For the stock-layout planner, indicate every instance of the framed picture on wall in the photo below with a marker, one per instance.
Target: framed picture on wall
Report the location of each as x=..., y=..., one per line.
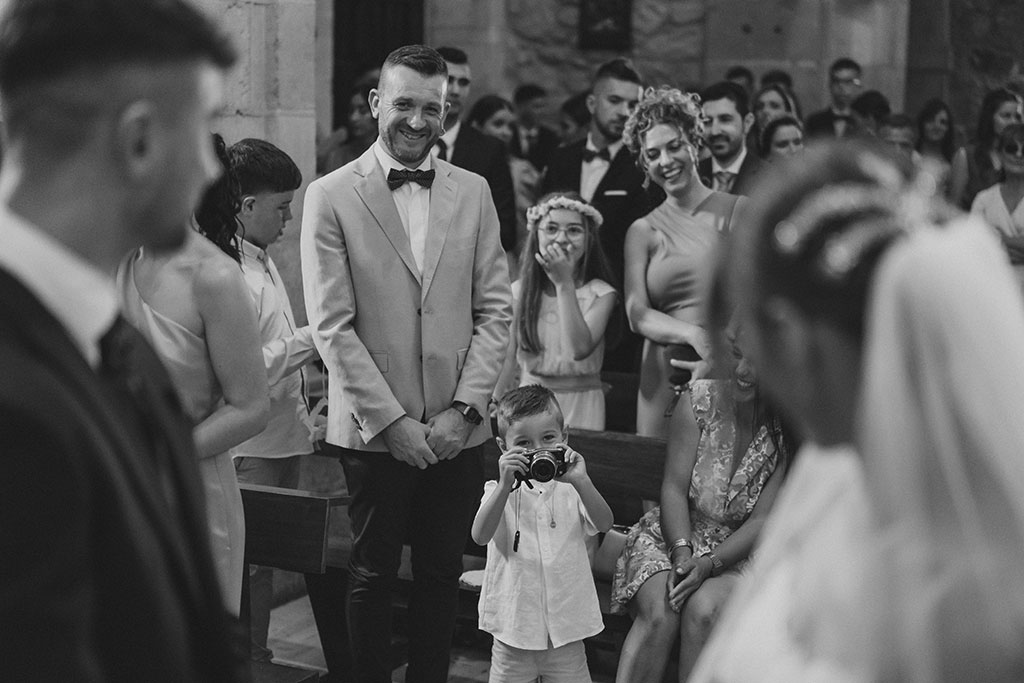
x=606, y=24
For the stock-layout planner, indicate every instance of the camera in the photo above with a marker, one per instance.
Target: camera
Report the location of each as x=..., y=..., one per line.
x=544, y=464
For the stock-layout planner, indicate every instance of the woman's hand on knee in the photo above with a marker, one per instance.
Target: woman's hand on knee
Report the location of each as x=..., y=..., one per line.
x=687, y=576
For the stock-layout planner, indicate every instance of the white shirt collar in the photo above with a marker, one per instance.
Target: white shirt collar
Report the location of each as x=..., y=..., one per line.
x=252, y=251
x=734, y=167
x=82, y=297
x=451, y=135
x=613, y=148
x=387, y=162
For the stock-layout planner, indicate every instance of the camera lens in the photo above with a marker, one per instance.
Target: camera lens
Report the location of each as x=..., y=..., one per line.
x=543, y=468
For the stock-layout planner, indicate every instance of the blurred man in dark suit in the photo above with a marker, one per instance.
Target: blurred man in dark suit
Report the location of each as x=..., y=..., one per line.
x=844, y=85
x=531, y=139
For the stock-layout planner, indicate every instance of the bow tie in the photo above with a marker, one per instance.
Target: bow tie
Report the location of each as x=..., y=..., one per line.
x=590, y=155
x=398, y=177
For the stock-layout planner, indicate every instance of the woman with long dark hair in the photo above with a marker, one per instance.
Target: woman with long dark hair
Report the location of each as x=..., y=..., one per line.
x=978, y=166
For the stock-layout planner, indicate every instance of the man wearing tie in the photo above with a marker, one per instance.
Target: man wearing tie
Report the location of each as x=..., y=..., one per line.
x=603, y=171
x=730, y=168
x=408, y=295
x=106, y=572
x=468, y=148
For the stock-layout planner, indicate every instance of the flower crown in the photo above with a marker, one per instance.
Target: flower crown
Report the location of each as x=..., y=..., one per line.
x=535, y=214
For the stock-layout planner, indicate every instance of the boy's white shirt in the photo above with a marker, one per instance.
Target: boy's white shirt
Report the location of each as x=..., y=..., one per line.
x=542, y=595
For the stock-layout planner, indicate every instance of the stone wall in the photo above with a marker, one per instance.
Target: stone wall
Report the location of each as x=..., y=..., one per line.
x=987, y=52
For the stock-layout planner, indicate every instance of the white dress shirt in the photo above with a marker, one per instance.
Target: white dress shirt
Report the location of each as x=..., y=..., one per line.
x=285, y=350
x=81, y=297
x=542, y=595
x=412, y=201
x=592, y=172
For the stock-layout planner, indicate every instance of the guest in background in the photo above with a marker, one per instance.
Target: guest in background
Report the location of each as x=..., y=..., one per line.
x=1002, y=205
x=783, y=137
x=267, y=179
x=531, y=139
x=935, y=139
x=731, y=167
x=361, y=131
x=106, y=573
x=743, y=77
x=777, y=76
x=574, y=118
x=563, y=303
x=869, y=110
x=899, y=132
x=495, y=116
x=771, y=101
x=682, y=559
x=195, y=309
x=843, y=85
x=979, y=165
x=668, y=250
x=468, y=148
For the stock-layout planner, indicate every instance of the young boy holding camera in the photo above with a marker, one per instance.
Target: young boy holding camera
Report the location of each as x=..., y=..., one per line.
x=538, y=598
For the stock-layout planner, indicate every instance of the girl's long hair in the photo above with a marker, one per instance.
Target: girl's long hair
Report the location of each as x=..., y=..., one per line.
x=217, y=214
x=593, y=265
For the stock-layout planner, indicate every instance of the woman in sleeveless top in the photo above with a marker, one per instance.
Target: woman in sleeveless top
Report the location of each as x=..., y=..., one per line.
x=668, y=250
x=194, y=308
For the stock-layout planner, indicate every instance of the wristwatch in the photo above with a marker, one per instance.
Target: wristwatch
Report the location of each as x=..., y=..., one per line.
x=471, y=414
x=716, y=564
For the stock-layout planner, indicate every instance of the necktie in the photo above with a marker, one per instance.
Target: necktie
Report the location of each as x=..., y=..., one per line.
x=442, y=150
x=399, y=177
x=724, y=180
x=590, y=154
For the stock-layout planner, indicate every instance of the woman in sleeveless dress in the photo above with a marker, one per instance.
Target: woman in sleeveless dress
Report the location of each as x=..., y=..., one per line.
x=889, y=328
x=193, y=307
x=667, y=251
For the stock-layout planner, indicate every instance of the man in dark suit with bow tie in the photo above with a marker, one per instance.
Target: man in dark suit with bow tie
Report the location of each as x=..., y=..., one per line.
x=468, y=148
x=603, y=171
x=844, y=85
x=106, y=571
x=732, y=166
x=408, y=297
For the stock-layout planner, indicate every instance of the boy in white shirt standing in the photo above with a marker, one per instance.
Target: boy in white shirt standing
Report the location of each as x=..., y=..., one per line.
x=538, y=599
x=267, y=179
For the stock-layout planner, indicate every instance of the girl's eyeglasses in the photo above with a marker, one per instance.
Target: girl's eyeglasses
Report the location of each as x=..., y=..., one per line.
x=573, y=232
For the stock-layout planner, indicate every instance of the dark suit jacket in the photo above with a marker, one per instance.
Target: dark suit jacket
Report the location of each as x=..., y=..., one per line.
x=622, y=199
x=101, y=577
x=744, y=181
x=541, y=150
x=487, y=156
x=822, y=124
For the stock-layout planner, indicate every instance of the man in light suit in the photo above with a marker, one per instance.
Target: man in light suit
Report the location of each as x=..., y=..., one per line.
x=105, y=565
x=408, y=295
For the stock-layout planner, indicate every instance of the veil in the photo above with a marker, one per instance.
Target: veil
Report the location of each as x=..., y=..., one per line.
x=942, y=434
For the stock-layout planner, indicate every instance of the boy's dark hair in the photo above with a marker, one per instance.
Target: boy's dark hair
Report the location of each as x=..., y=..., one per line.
x=620, y=69
x=42, y=40
x=527, y=92
x=532, y=399
x=453, y=55
x=262, y=167
x=872, y=104
x=739, y=72
x=843, y=64
x=898, y=121
x=727, y=90
x=426, y=61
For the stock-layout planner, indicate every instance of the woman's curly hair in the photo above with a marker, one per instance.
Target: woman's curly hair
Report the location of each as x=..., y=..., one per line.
x=669, y=106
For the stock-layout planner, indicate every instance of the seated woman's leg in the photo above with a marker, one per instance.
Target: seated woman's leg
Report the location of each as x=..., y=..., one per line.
x=650, y=639
x=698, y=617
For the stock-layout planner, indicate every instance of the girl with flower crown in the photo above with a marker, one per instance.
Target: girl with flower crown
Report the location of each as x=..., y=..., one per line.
x=563, y=302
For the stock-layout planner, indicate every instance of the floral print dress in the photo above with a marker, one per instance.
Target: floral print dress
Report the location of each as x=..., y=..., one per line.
x=719, y=504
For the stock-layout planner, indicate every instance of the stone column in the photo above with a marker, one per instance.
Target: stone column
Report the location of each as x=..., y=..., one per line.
x=271, y=94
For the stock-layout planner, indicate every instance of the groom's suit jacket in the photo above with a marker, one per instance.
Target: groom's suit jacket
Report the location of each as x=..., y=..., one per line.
x=105, y=565
x=395, y=341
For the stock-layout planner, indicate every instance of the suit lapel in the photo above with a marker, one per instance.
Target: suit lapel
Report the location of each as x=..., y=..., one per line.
x=442, y=208
x=373, y=190
x=619, y=166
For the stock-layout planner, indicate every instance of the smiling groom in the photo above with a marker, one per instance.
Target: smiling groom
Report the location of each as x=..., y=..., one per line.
x=408, y=296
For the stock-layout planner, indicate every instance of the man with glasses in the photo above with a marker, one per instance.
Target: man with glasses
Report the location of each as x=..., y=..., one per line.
x=844, y=85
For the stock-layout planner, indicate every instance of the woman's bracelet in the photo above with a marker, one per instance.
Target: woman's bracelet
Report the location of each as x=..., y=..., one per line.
x=680, y=543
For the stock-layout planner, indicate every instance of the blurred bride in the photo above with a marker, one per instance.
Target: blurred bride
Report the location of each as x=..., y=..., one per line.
x=892, y=332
